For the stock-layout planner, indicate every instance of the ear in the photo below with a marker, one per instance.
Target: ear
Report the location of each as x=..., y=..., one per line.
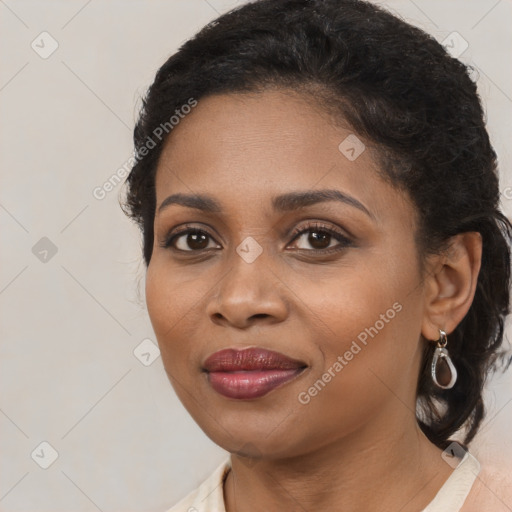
x=450, y=284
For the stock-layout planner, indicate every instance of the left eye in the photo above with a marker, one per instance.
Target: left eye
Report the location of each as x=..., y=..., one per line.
x=320, y=238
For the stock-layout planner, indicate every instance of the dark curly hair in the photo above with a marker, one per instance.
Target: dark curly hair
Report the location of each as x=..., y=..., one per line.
x=399, y=89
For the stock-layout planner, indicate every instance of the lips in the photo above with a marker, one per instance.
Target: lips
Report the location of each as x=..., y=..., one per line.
x=250, y=373
x=250, y=359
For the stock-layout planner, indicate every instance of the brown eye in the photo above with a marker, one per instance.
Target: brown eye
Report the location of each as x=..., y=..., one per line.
x=319, y=238
x=189, y=240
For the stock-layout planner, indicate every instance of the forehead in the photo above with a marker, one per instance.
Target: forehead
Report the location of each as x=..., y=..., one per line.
x=239, y=147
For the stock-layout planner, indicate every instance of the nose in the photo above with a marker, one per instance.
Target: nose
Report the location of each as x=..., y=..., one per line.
x=248, y=293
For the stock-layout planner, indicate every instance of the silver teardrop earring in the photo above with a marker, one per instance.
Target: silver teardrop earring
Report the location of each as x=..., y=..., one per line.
x=444, y=373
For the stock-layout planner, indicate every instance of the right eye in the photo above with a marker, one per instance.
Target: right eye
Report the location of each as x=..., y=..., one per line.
x=188, y=240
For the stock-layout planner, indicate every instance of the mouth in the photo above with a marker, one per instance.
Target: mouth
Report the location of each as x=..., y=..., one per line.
x=250, y=373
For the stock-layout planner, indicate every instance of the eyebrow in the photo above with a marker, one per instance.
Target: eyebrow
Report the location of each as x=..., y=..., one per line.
x=282, y=203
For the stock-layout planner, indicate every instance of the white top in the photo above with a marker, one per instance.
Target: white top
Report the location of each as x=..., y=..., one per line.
x=209, y=496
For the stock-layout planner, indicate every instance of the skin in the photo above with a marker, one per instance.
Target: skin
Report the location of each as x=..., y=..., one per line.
x=356, y=443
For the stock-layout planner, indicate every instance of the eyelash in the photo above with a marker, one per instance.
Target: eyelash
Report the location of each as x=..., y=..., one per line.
x=311, y=227
x=322, y=228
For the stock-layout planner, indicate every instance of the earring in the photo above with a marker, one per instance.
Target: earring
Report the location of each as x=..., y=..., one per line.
x=444, y=373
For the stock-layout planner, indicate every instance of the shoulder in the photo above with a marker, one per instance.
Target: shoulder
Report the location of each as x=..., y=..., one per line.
x=209, y=496
x=492, y=490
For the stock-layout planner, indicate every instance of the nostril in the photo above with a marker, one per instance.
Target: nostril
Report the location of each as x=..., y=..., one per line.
x=260, y=315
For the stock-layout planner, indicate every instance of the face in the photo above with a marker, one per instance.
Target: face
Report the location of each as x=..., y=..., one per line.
x=330, y=282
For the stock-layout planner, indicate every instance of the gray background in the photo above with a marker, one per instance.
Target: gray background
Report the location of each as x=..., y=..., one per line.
x=72, y=319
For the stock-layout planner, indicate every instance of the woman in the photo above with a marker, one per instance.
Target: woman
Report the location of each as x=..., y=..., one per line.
x=327, y=266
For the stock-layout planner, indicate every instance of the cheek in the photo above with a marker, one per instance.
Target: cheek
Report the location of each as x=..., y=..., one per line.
x=366, y=360
x=352, y=299
x=172, y=308
x=369, y=318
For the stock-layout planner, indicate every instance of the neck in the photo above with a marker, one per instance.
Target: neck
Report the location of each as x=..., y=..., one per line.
x=370, y=470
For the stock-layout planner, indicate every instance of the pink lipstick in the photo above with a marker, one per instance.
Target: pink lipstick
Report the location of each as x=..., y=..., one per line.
x=250, y=373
